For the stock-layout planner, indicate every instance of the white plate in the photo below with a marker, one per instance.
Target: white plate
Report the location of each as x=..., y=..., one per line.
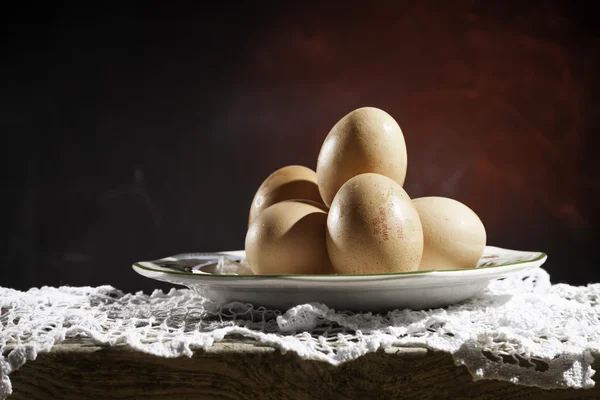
x=375, y=292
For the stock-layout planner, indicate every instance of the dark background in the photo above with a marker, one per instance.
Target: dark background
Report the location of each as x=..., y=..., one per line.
x=133, y=133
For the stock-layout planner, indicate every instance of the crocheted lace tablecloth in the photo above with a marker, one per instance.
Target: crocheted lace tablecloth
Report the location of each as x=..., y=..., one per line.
x=521, y=329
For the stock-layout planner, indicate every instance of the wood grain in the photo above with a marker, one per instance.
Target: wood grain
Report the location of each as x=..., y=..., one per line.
x=245, y=370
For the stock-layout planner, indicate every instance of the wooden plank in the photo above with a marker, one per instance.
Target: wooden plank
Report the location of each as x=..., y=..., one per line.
x=239, y=369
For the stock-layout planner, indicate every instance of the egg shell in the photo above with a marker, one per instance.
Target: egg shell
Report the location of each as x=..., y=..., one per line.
x=454, y=236
x=287, y=183
x=365, y=140
x=373, y=227
x=288, y=238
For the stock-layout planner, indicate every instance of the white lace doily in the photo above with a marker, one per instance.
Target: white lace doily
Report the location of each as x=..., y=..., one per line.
x=521, y=329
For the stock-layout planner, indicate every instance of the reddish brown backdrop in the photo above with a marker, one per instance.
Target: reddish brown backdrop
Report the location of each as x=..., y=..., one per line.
x=136, y=133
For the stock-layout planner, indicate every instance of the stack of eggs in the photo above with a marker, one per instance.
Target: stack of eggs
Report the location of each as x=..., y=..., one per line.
x=352, y=216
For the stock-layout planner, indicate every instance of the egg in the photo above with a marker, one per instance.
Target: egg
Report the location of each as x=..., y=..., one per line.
x=365, y=140
x=373, y=227
x=454, y=235
x=287, y=183
x=288, y=238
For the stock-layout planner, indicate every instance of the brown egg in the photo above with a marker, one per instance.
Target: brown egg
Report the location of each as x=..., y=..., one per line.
x=288, y=238
x=454, y=235
x=366, y=140
x=373, y=227
x=287, y=183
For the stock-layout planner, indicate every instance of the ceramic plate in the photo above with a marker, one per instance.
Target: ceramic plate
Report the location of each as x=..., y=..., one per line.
x=372, y=292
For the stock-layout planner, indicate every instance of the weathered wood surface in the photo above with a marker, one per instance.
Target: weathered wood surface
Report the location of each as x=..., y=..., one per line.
x=238, y=369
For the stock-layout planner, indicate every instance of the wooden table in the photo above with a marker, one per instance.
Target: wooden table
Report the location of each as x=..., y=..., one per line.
x=241, y=369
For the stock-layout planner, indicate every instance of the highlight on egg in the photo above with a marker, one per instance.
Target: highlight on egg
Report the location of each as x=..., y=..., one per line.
x=289, y=238
x=454, y=236
x=373, y=228
x=365, y=140
x=287, y=183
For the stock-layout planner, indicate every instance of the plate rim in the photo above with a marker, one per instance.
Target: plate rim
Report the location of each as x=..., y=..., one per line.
x=542, y=256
